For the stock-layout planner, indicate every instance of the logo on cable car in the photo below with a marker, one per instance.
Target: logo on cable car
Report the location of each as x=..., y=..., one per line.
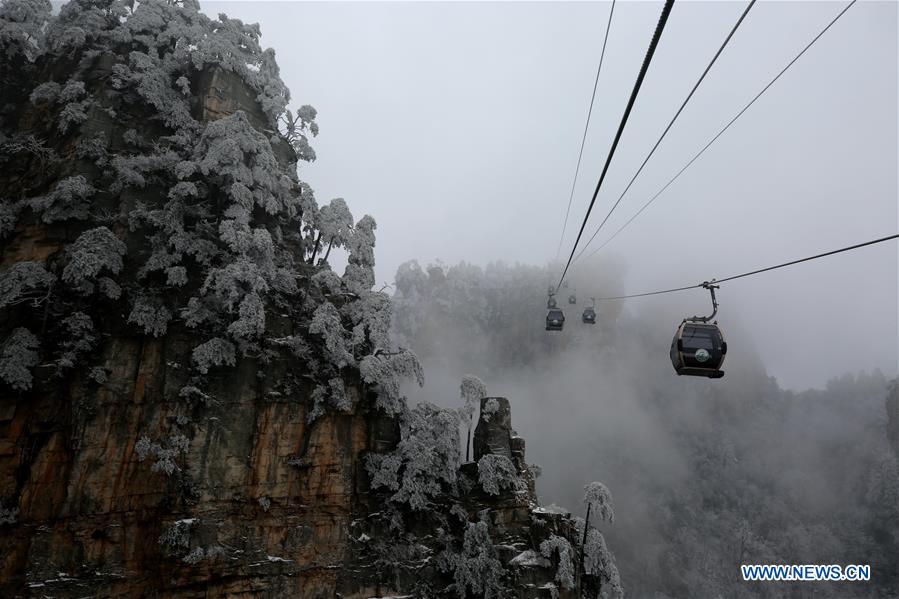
x=701, y=355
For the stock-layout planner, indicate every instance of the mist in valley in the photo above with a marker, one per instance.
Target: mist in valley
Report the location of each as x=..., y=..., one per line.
x=705, y=474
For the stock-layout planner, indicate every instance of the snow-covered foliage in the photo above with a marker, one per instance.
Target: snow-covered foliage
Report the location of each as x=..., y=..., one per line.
x=22, y=28
x=68, y=200
x=25, y=282
x=472, y=390
x=359, y=275
x=221, y=234
x=295, y=128
x=565, y=569
x=150, y=315
x=215, y=352
x=491, y=407
x=424, y=463
x=598, y=561
x=18, y=356
x=332, y=394
x=80, y=339
x=176, y=537
x=195, y=556
x=497, y=473
x=386, y=372
x=476, y=569
x=599, y=500
x=326, y=323
x=93, y=252
x=165, y=454
x=335, y=226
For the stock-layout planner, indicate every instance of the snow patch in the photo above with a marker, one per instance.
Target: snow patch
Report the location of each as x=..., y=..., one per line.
x=530, y=559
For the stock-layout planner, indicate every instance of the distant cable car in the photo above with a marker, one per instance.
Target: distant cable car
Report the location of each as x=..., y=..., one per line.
x=551, y=299
x=698, y=347
x=572, y=299
x=589, y=315
x=555, y=320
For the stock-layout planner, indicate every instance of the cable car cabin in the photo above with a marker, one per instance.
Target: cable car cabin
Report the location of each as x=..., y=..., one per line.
x=589, y=316
x=555, y=320
x=698, y=349
x=572, y=299
x=550, y=303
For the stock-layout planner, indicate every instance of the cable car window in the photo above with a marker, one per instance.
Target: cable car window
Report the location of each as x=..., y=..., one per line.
x=699, y=339
x=555, y=315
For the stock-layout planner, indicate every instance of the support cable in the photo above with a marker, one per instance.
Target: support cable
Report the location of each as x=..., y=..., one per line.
x=720, y=133
x=753, y=272
x=586, y=126
x=665, y=132
x=666, y=10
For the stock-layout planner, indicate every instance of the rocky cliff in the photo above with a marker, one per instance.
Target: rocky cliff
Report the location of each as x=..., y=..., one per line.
x=192, y=403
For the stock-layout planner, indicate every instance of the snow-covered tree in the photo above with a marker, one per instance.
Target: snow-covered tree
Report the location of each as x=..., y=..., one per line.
x=95, y=251
x=22, y=28
x=68, y=200
x=335, y=228
x=565, y=570
x=359, y=274
x=599, y=502
x=295, y=128
x=424, y=463
x=327, y=324
x=598, y=562
x=386, y=372
x=476, y=569
x=215, y=352
x=25, y=282
x=80, y=338
x=497, y=473
x=472, y=390
x=17, y=358
x=149, y=314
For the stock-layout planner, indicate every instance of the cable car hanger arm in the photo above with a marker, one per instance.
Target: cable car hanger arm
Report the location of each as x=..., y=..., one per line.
x=710, y=285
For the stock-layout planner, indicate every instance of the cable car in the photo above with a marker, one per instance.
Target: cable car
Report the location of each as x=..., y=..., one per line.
x=555, y=320
x=572, y=299
x=551, y=302
x=589, y=315
x=698, y=347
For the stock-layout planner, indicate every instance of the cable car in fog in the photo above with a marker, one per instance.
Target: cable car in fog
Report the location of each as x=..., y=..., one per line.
x=551, y=302
x=589, y=315
x=698, y=347
x=555, y=320
x=572, y=299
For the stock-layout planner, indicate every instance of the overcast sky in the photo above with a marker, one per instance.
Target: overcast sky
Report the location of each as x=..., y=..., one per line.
x=457, y=126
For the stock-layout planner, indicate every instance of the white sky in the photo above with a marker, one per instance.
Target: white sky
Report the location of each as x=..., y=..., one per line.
x=457, y=126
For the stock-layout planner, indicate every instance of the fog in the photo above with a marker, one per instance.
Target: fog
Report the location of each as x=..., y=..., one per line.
x=457, y=126
x=705, y=474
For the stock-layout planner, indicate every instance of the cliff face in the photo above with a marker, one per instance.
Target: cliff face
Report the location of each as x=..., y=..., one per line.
x=259, y=499
x=178, y=416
